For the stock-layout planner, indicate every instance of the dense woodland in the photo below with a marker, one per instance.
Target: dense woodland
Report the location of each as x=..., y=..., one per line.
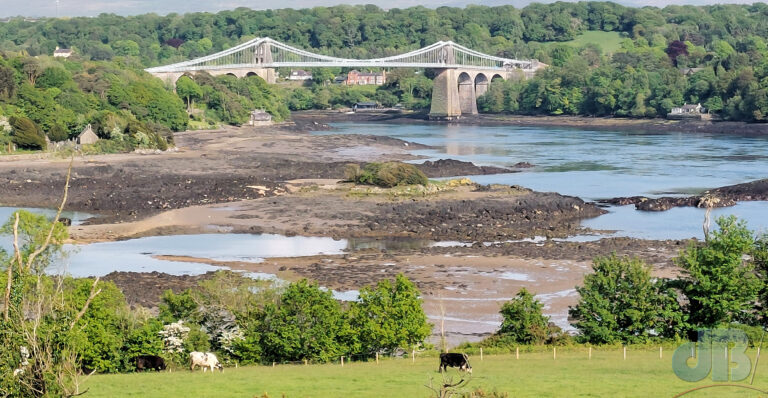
x=103, y=83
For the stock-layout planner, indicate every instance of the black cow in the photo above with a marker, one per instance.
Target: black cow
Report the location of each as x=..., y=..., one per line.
x=454, y=360
x=149, y=362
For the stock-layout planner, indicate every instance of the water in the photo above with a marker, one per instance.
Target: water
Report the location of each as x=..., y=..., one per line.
x=137, y=254
x=76, y=217
x=597, y=165
x=590, y=164
x=675, y=223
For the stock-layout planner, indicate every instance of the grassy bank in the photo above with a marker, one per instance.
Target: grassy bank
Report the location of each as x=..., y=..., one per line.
x=536, y=374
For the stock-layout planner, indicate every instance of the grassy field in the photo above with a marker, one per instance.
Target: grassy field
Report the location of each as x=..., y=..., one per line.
x=607, y=374
x=610, y=42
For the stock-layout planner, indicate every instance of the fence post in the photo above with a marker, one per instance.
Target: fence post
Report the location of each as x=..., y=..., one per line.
x=305, y=362
x=590, y=352
x=554, y=352
x=625, y=352
x=661, y=355
x=273, y=364
x=481, y=353
x=377, y=358
x=342, y=361
x=413, y=355
x=517, y=352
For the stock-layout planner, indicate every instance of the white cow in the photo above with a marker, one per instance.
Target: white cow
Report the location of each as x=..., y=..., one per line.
x=204, y=360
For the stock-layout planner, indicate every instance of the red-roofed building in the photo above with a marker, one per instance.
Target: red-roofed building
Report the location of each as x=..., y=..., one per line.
x=364, y=78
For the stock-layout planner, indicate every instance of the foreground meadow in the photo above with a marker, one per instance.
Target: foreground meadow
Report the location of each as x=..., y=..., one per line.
x=572, y=374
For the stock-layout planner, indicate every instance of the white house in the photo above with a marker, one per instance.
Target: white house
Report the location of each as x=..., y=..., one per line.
x=62, y=52
x=688, y=109
x=300, y=75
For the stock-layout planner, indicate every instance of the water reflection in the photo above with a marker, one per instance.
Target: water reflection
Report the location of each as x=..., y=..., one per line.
x=590, y=164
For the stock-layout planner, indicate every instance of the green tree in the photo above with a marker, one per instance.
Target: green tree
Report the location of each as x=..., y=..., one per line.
x=389, y=316
x=7, y=82
x=54, y=77
x=175, y=307
x=720, y=285
x=57, y=133
x=26, y=134
x=620, y=302
x=306, y=323
x=187, y=88
x=126, y=48
x=523, y=321
x=322, y=76
x=99, y=338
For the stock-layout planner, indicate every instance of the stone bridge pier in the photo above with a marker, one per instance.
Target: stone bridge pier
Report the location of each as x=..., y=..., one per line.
x=455, y=90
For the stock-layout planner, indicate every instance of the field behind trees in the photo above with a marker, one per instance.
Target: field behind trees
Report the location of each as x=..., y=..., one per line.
x=535, y=374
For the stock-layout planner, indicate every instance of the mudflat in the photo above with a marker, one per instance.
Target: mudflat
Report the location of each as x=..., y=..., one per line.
x=284, y=180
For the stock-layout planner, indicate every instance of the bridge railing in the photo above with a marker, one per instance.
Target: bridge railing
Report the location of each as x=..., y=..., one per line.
x=268, y=53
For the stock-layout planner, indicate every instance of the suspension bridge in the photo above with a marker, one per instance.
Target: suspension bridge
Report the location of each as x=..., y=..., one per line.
x=462, y=74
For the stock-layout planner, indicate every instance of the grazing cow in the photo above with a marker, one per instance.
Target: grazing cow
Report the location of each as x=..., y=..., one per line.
x=152, y=362
x=204, y=360
x=454, y=360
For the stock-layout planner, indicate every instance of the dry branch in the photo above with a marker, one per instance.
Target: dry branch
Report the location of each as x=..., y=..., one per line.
x=91, y=296
x=17, y=257
x=44, y=246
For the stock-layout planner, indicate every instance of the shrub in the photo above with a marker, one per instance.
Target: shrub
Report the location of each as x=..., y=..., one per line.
x=523, y=321
x=386, y=175
x=620, y=302
x=57, y=133
x=389, y=316
x=26, y=134
x=720, y=285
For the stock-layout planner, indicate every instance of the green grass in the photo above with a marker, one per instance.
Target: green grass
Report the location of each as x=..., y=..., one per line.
x=610, y=42
x=643, y=374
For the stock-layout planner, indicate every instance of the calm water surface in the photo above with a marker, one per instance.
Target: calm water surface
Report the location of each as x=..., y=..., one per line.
x=590, y=164
x=596, y=165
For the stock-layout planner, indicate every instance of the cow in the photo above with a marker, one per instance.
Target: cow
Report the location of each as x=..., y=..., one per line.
x=149, y=362
x=454, y=360
x=204, y=360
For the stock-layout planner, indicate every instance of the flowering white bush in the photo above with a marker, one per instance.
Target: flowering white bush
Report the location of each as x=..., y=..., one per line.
x=174, y=335
x=4, y=125
x=228, y=338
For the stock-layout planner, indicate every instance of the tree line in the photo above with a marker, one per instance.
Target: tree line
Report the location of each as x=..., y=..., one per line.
x=70, y=326
x=369, y=31
x=643, y=79
x=723, y=284
x=44, y=99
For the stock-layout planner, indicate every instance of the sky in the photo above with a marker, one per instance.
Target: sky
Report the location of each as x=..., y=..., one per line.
x=68, y=8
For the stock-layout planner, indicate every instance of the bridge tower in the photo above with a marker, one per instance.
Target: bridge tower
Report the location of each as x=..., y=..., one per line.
x=445, y=95
x=445, y=92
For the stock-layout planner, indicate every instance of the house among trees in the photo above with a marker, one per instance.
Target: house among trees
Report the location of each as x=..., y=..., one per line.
x=687, y=111
x=689, y=71
x=300, y=75
x=365, y=106
x=87, y=136
x=355, y=77
x=260, y=117
x=62, y=52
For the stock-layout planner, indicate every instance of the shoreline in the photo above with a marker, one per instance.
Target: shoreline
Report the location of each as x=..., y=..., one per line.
x=658, y=125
